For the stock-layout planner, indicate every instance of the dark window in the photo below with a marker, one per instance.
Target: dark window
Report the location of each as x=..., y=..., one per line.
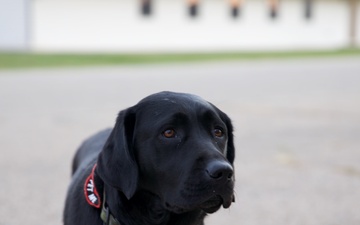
x=193, y=10
x=234, y=11
x=235, y=8
x=193, y=7
x=308, y=8
x=274, y=8
x=273, y=13
x=146, y=7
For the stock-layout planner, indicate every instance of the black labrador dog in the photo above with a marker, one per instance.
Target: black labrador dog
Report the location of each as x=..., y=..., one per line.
x=168, y=161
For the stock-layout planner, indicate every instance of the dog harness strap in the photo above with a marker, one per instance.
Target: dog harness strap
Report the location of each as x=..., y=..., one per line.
x=106, y=216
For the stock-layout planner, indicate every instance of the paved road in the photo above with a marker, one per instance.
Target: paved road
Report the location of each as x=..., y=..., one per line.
x=297, y=134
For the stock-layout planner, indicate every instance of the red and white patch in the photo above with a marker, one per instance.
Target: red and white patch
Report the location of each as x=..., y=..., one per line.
x=91, y=194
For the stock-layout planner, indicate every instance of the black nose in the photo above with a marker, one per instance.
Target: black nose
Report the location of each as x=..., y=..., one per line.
x=220, y=170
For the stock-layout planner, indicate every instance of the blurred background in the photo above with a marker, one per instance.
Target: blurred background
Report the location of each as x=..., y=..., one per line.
x=178, y=25
x=286, y=71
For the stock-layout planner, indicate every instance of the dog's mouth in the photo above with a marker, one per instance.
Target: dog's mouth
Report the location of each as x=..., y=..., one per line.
x=209, y=206
x=212, y=205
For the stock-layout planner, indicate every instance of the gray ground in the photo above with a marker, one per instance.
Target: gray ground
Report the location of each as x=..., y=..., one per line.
x=297, y=134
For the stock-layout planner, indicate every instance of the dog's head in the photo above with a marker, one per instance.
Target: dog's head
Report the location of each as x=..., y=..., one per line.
x=177, y=146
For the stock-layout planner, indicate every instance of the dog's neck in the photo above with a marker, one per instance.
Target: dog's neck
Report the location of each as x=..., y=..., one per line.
x=146, y=209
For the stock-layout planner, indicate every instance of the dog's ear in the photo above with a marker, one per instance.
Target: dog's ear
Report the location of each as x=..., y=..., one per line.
x=230, y=150
x=116, y=164
x=230, y=154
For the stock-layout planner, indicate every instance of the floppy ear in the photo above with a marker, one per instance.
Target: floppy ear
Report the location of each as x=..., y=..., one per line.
x=230, y=154
x=116, y=164
x=230, y=151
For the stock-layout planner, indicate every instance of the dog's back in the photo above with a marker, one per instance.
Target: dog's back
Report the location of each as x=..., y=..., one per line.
x=89, y=149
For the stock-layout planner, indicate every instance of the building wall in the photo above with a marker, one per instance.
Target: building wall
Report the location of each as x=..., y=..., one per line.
x=358, y=25
x=13, y=25
x=118, y=25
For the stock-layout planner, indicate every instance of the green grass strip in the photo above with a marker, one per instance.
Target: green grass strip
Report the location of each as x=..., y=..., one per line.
x=36, y=60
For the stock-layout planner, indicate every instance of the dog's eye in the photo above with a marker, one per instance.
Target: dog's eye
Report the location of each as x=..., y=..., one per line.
x=218, y=132
x=169, y=133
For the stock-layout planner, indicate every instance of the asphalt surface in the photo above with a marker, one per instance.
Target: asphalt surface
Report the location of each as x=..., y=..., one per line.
x=297, y=134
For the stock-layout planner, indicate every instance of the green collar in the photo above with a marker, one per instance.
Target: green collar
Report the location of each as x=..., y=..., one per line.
x=106, y=215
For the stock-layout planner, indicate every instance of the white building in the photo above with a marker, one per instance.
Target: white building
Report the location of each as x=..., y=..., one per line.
x=168, y=26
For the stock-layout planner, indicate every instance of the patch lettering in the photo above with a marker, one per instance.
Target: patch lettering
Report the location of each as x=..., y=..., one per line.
x=91, y=195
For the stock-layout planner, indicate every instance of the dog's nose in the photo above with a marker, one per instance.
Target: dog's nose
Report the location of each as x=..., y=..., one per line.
x=220, y=170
